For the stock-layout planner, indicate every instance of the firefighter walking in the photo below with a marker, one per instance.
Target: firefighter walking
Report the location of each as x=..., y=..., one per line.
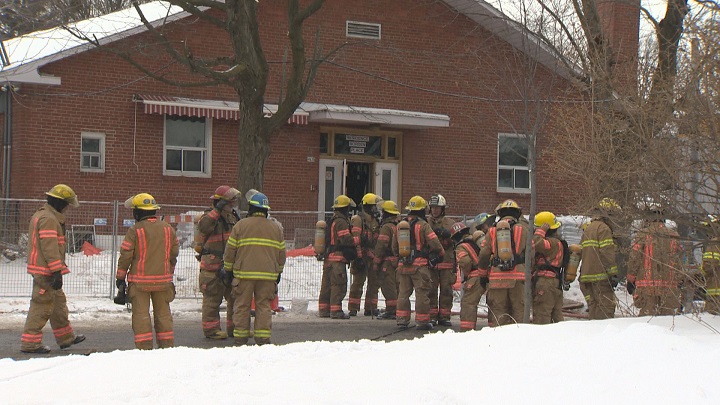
x=341, y=249
x=213, y=231
x=364, y=267
x=503, y=253
x=419, y=249
x=548, y=270
x=443, y=274
x=148, y=256
x=599, y=272
x=653, y=267
x=467, y=249
x=46, y=265
x=255, y=254
x=385, y=261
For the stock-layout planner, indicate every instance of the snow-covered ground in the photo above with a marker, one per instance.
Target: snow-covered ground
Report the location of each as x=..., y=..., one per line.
x=629, y=360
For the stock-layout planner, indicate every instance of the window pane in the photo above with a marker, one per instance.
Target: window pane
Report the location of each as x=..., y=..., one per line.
x=185, y=131
x=386, y=183
x=505, y=178
x=323, y=143
x=522, y=178
x=391, y=147
x=192, y=161
x=85, y=161
x=173, y=160
x=329, y=187
x=95, y=162
x=513, y=151
x=349, y=144
x=91, y=145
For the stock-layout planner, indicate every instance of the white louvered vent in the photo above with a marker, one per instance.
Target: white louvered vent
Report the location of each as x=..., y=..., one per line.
x=363, y=30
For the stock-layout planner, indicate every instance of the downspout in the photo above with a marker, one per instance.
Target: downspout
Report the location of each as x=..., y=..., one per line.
x=7, y=138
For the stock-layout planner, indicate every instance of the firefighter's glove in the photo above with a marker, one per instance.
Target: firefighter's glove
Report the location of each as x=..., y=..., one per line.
x=484, y=282
x=221, y=204
x=121, y=296
x=57, y=281
x=630, y=287
x=120, y=284
x=225, y=276
x=614, y=281
x=433, y=261
x=277, y=281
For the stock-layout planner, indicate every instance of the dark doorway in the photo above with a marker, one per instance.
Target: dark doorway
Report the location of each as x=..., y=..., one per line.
x=357, y=182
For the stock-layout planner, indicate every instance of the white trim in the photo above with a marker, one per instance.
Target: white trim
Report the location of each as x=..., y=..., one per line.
x=93, y=135
x=208, y=154
x=344, y=114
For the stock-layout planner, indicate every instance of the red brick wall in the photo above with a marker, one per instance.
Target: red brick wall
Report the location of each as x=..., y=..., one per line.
x=429, y=59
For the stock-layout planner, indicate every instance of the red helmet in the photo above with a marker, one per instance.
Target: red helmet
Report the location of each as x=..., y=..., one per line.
x=225, y=193
x=458, y=229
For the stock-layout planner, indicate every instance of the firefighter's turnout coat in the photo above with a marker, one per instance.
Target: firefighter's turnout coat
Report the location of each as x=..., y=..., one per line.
x=547, y=278
x=597, y=266
x=468, y=261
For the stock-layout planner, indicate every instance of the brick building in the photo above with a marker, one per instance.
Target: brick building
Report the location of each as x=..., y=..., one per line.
x=422, y=99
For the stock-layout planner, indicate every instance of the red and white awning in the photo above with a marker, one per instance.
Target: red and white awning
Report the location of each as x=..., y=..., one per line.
x=218, y=109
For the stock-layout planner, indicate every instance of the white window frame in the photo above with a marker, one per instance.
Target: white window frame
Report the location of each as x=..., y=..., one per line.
x=207, y=148
x=93, y=135
x=497, y=173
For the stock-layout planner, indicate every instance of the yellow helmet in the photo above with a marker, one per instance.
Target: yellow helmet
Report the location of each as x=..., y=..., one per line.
x=371, y=199
x=416, y=203
x=65, y=193
x=546, y=217
x=142, y=201
x=343, y=201
x=390, y=207
x=507, y=204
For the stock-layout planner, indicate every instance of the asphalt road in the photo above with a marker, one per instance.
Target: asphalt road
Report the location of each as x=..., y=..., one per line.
x=107, y=335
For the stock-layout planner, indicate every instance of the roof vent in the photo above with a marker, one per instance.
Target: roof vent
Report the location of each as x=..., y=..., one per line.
x=363, y=30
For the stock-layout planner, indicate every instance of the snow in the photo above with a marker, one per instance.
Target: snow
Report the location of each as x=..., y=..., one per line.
x=638, y=360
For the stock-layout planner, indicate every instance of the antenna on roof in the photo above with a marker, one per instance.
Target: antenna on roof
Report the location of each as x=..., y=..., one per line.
x=3, y=55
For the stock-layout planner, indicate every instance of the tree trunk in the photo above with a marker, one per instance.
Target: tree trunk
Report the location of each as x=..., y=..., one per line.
x=253, y=148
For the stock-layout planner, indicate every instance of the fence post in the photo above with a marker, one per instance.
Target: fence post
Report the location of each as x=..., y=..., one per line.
x=113, y=262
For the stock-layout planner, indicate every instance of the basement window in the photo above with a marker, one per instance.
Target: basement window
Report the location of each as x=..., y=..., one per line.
x=92, y=152
x=356, y=29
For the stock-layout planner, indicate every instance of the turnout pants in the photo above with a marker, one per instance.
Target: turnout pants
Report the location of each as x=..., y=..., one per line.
x=506, y=305
x=547, y=301
x=161, y=297
x=213, y=291
x=387, y=282
x=602, y=300
x=244, y=291
x=442, y=282
x=652, y=303
x=472, y=293
x=332, y=288
x=46, y=304
x=362, y=269
x=419, y=280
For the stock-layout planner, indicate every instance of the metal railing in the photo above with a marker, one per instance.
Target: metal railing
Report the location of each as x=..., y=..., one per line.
x=104, y=224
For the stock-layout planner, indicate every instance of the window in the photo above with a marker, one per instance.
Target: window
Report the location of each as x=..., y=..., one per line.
x=513, y=171
x=92, y=152
x=187, y=146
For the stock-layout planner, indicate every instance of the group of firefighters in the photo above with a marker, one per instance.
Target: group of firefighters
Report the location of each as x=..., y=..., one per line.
x=424, y=251
x=241, y=261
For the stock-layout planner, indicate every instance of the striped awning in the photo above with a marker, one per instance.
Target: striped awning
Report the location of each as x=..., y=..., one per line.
x=218, y=109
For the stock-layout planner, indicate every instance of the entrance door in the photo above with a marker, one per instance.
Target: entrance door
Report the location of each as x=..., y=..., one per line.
x=332, y=182
x=358, y=181
x=386, y=181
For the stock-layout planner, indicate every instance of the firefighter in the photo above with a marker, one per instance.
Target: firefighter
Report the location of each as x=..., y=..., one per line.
x=413, y=272
x=506, y=293
x=474, y=280
x=548, y=271
x=255, y=254
x=341, y=250
x=215, y=284
x=444, y=274
x=385, y=261
x=363, y=267
x=652, y=267
x=46, y=265
x=710, y=269
x=598, y=271
x=148, y=256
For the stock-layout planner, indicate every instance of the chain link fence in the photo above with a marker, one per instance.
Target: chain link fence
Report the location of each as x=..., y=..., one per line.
x=103, y=225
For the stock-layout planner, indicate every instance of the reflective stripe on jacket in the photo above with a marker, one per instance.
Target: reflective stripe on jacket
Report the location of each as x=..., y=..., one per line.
x=548, y=254
x=654, y=257
x=598, y=252
x=255, y=249
x=46, y=242
x=214, y=226
x=148, y=254
x=520, y=234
